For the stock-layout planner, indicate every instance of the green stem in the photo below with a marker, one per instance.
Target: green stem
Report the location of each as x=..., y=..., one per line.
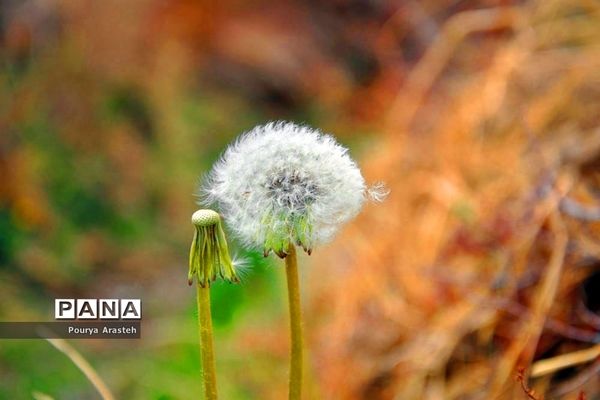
x=291, y=265
x=207, y=352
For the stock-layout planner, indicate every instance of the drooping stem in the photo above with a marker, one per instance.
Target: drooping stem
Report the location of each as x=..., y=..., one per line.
x=207, y=352
x=291, y=267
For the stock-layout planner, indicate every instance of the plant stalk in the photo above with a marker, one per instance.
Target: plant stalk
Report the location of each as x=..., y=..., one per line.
x=207, y=351
x=291, y=264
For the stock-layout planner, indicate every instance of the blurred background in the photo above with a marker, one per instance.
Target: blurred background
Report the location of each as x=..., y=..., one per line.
x=483, y=118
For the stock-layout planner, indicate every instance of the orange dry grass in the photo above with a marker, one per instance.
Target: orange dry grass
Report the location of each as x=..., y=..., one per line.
x=471, y=268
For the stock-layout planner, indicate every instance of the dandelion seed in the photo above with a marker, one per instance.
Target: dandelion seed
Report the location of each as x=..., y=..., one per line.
x=282, y=184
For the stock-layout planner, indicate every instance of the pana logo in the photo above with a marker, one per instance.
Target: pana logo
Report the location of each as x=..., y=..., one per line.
x=97, y=309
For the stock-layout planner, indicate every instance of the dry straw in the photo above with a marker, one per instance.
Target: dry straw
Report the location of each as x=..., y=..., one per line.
x=492, y=149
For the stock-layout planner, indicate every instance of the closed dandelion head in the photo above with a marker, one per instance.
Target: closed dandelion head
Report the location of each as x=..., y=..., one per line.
x=209, y=253
x=282, y=184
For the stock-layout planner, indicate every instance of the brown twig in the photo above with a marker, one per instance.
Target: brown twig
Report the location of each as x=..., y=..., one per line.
x=550, y=365
x=530, y=332
x=579, y=380
x=579, y=211
x=522, y=380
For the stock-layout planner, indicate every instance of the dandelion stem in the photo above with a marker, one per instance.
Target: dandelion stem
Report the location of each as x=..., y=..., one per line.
x=291, y=264
x=207, y=352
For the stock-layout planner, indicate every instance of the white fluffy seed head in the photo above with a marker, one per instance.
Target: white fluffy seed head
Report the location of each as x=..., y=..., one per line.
x=282, y=184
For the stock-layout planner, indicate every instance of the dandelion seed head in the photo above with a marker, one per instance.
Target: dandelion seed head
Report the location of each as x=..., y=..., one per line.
x=282, y=184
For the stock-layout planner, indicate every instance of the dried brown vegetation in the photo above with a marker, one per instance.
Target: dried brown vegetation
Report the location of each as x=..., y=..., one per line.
x=477, y=262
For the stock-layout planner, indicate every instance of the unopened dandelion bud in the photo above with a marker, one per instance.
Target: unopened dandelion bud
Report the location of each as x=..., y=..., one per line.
x=209, y=253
